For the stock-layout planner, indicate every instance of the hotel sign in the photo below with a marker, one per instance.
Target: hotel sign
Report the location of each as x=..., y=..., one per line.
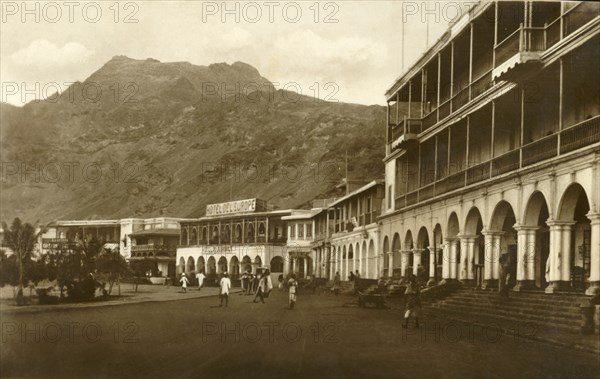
x=239, y=206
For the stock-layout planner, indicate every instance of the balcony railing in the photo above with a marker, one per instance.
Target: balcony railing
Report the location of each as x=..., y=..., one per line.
x=539, y=39
x=153, y=250
x=505, y=163
x=575, y=137
x=406, y=130
x=539, y=150
x=478, y=173
x=580, y=135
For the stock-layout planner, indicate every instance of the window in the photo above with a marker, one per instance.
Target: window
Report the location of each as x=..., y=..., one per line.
x=300, y=231
x=293, y=231
x=389, y=197
x=309, y=230
x=277, y=264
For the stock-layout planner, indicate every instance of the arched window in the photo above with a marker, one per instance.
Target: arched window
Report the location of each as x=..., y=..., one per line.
x=277, y=264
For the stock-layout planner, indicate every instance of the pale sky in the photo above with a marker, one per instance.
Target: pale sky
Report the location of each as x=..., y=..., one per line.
x=356, y=45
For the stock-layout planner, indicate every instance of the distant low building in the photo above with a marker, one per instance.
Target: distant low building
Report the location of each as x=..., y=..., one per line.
x=135, y=239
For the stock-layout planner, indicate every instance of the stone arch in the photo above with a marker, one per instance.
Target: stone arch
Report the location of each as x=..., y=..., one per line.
x=258, y=261
x=184, y=237
x=438, y=240
x=537, y=247
x=502, y=210
x=423, y=245
x=190, y=267
x=364, y=260
x=386, y=257
x=238, y=233
x=211, y=265
x=372, y=269
x=573, y=210
x=276, y=265
x=200, y=266
x=194, y=236
x=572, y=197
x=250, y=232
x=222, y=265
x=247, y=264
x=181, y=267
x=453, y=225
x=226, y=235
x=422, y=238
x=234, y=267
x=473, y=221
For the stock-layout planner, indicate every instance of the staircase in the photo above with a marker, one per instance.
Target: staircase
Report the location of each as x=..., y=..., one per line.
x=545, y=310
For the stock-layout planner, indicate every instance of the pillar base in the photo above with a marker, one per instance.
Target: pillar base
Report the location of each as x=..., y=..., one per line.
x=523, y=285
x=468, y=282
x=593, y=289
x=490, y=284
x=559, y=286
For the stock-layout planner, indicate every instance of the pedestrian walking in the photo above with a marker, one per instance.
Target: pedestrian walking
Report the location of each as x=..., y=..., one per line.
x=261, y=289
x=292, y=285
x=413, y=301
x=225, y=286
x=245, y=282
x=200, y=277
x=356, y=282
x=184, y=282
x=336, y=283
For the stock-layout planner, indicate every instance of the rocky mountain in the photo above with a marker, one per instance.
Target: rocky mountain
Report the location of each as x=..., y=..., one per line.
x=142, y=138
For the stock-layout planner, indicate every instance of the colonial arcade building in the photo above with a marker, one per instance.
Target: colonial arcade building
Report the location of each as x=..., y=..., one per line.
x=354, y=240
x=493, y=147
x=234, y=237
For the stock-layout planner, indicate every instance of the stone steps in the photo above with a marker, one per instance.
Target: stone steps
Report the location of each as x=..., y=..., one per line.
x=560, y=311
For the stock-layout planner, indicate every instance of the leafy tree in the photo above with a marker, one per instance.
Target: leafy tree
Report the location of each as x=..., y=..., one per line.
x=140, y=268
x=21, y=239
x=112, y=266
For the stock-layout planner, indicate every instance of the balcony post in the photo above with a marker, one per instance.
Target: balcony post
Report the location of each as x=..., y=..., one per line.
x=439, y=86
x=470, y=59
x=397, y=107
x=409, y=102
x=451, y=75
x=522, y=127
x=561, y=68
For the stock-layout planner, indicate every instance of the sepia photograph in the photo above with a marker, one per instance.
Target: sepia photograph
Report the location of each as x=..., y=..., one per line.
x=305, y=189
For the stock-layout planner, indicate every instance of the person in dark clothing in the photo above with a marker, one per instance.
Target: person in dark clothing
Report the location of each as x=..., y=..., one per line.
x=413, y=301
x=504, y=275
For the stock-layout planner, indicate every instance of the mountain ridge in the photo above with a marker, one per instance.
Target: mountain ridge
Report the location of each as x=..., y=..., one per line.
x=172, y=142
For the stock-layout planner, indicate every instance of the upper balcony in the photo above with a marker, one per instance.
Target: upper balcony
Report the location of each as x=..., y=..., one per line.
x=525, y=47
x=405, y=131
x=569, y=139
x=152, y=251
x=521, y=49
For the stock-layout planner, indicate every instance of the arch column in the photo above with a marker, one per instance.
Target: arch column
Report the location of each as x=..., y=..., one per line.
x=450, y=264
x=558, y=266
x=594, y=288
x=416, y=259
x=390, y=263
x=491, y=264
x=526, y=249
x=405, y=257
x=432, y=254
x=466, y=264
